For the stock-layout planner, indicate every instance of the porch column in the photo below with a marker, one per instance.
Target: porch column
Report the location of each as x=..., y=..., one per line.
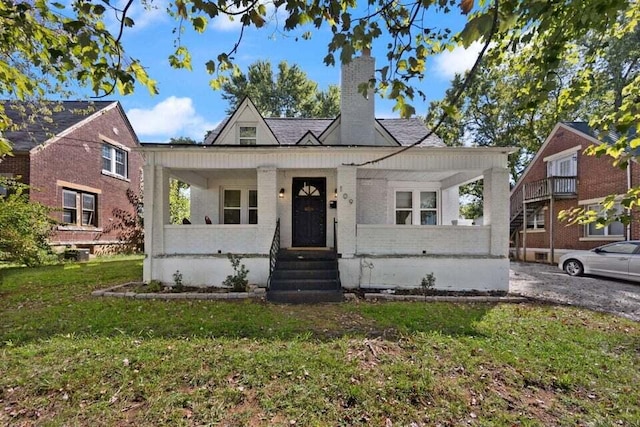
x=156, y=214
x=149, y=182
x=496, y=209
x=267, y=207
x=347, y=186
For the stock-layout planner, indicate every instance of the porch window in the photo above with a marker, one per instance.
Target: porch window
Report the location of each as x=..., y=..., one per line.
x=253, y=206
x=404, y=207
x=240, y=206
x=615, y=229
x=247, y=135
x=414, y=206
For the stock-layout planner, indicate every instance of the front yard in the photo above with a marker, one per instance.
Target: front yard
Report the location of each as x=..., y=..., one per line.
x=71, y=359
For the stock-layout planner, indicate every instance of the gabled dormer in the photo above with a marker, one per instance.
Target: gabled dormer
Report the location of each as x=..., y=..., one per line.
x=246, y=126
x=309, y=139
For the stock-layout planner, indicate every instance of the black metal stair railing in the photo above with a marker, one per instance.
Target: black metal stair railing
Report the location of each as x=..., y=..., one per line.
x=273, y=252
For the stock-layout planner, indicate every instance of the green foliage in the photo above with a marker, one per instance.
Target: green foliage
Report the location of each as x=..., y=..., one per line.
x=177, y=280
x=289, y=93
x=179, y=201
x=238, y=280
x=428, y=283
x=25, y=226
x=128, y=224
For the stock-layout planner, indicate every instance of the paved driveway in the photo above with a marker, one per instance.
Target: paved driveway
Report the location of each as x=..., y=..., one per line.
x=549, y=283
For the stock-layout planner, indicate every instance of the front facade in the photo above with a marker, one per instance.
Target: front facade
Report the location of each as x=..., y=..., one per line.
x=561, y=177
x=78, y=158
x=259, y=183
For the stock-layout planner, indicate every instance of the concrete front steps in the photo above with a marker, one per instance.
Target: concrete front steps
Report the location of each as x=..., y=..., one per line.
x=305, y=276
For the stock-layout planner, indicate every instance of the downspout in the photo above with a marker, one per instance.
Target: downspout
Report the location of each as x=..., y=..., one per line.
x=629, y=188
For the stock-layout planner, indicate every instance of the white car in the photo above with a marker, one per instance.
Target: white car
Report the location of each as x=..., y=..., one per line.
x=620, y=260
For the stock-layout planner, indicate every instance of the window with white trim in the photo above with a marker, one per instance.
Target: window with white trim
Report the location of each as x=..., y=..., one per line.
x=239, y=206
x=416, y=207
x=115, y=160
x=535, y=221
x=247, y=135
x=614, y=229
x=79, y=208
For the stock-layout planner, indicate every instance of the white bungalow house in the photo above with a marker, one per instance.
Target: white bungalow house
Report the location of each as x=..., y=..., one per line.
x=279, y=183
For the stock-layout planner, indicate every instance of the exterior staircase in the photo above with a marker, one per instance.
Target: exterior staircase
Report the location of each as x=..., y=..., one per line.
x=305, y=276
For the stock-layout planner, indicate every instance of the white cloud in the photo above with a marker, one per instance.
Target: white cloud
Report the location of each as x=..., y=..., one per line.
x=225, y=22
x=173, y=117
x=143, y=16
x=457, y=61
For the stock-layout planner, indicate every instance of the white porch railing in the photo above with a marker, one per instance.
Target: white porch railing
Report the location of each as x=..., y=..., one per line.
x=423, y=239
x=210, y=238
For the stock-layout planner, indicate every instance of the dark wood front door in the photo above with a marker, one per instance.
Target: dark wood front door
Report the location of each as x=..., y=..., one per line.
x=309, y=211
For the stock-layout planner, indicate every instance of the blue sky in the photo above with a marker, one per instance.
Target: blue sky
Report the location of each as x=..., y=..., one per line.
x=187, y=106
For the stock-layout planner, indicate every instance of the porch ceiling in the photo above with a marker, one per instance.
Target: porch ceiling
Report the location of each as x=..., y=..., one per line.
x=193, y=176
x=398, y=175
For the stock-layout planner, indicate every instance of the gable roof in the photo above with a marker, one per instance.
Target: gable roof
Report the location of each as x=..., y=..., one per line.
x=34, y=123
x=581, y=128
x=289, y=131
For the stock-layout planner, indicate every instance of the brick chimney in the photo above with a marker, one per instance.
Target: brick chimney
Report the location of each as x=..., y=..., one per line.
x=357, y=118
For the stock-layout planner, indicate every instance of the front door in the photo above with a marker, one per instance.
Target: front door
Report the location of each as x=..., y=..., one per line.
x=309, y=211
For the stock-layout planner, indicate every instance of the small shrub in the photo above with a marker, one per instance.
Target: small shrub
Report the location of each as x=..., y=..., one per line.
x=154, y=286
x=238, y=281
x=428, y=283
x=177, y=280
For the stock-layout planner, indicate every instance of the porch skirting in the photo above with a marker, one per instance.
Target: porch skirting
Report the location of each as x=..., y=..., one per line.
x=452, y=272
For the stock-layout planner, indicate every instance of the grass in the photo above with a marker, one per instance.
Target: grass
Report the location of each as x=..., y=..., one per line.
x=67, y=358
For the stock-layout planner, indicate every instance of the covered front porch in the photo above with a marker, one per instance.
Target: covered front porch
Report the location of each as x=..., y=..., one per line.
x=391, y=222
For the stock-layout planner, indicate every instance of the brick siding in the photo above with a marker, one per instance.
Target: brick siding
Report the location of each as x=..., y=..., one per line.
x=596, y=178
x=77, y=159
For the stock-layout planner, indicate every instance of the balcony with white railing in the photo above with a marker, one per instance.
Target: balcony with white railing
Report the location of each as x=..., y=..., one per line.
x=423, y=240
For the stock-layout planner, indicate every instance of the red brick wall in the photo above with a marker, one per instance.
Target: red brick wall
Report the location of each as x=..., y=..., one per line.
x=18, y=164
x=77, y=159
x=597, y=178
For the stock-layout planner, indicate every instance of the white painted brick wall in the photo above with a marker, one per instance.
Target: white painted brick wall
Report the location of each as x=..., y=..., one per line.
x=357, y=112
x=209, y=239
x=372, y=201
x=453, y=274
x=414, y=239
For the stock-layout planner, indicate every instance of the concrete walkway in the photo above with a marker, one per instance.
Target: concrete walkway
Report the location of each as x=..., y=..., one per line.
x=549, y=283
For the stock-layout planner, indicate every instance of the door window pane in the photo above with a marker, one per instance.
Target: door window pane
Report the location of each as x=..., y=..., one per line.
x=232, y=198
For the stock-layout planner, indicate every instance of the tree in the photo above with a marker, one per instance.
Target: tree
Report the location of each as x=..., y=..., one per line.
x=289, y=93
x=46, y=45
x=179, y=198
x=25, y=226
x=129, y=223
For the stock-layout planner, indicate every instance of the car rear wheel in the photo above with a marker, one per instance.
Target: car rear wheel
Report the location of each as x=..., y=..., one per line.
x=573, y=267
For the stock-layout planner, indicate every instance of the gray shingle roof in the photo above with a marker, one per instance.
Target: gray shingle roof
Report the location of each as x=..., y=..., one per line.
x=36, y=122
x=410, y=131
x=288, y=131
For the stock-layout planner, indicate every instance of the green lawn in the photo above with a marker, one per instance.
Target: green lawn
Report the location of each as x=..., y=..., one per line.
x=67, y=358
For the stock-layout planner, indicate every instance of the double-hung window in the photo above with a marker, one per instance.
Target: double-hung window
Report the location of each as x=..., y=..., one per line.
x=79, y=208
x=614, y=229
x=416, y=207
x=240, y=206
x=247, y=134
x=115, y=160
x=535, y=221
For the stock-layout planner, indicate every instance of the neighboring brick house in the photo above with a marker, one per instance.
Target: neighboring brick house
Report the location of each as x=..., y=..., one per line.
x=77, y=158
x=559, y=177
